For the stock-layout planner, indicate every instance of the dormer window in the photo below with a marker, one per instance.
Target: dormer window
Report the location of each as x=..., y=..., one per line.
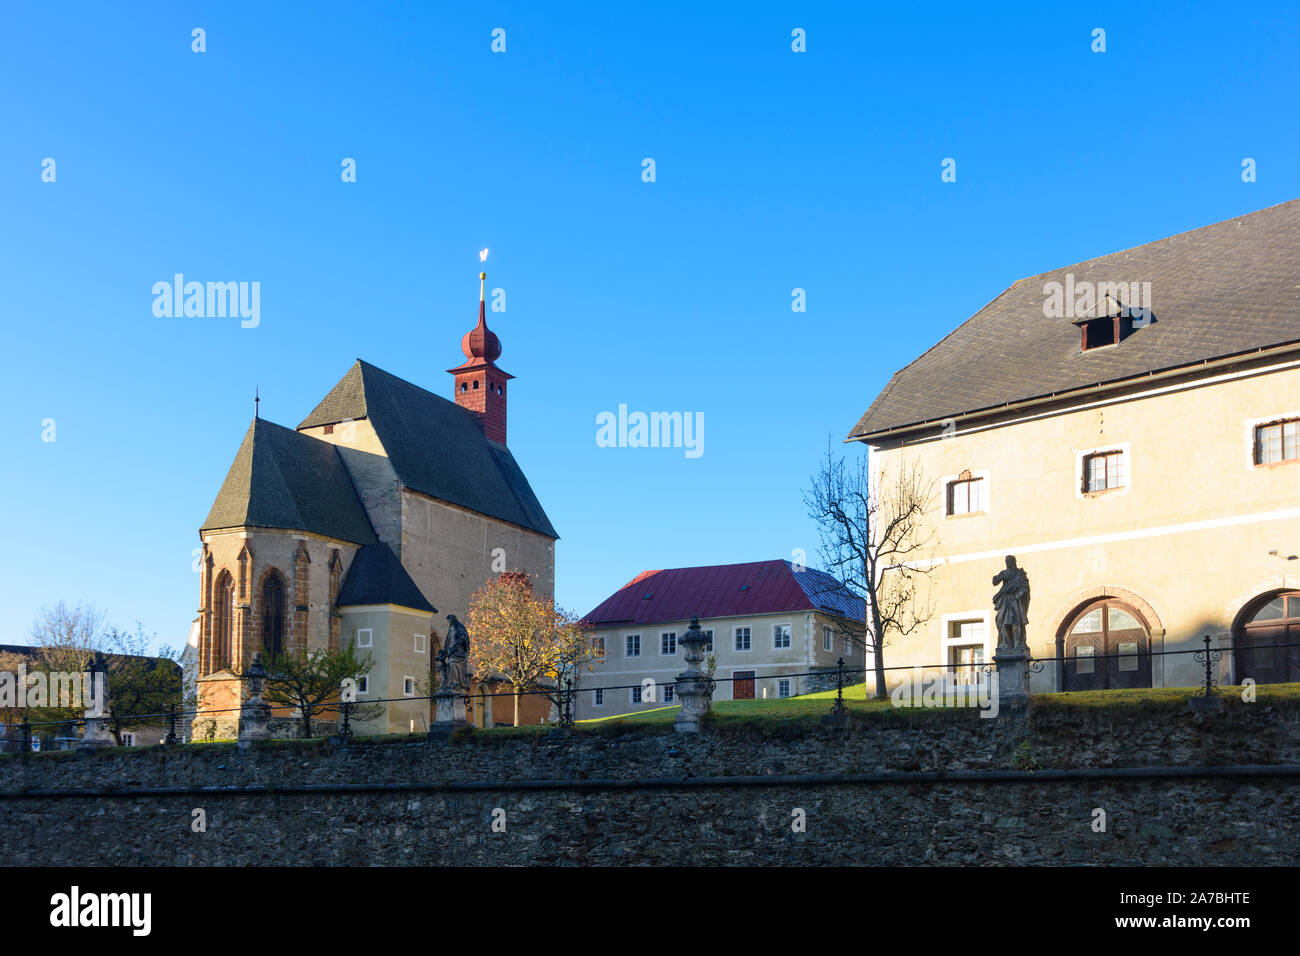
x=1099, y=332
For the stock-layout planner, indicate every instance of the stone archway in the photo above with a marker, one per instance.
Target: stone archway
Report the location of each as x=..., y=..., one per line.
x=1116, y=624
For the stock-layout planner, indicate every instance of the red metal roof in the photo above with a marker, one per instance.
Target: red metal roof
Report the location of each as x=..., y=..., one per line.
x=678, y=593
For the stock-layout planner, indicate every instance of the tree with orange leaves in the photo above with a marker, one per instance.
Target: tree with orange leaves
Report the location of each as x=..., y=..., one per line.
x=524, y=639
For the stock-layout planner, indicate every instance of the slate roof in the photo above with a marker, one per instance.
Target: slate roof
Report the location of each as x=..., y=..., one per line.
x=1222, y=290
x=284, y=479
x=435, y=446
x=377, y=577
x=32, y=652
x=769, y=587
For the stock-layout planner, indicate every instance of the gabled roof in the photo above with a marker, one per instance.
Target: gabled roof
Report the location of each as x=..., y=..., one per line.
x=435, y=446
x=1222, y=290
x=725, y=590
x=377, y=577
x=33, y=652
x=283, y=479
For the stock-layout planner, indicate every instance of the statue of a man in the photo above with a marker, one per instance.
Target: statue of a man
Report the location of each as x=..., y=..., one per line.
x=454, y=656
x=1011, y=603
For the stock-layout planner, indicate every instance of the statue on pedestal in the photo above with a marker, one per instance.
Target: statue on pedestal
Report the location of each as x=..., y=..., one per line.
x=1011, y=602
x=453, y=659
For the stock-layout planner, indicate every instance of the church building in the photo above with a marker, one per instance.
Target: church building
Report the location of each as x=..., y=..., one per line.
x=383, y=511
x=1129, y=428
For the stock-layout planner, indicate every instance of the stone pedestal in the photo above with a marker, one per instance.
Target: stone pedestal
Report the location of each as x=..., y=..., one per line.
x=97, y=732
x=694, y=686
x=255, y=713
x=448, y=714
x=1012, y=677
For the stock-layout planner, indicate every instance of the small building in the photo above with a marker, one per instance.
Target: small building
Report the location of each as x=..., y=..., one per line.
x=777, y=630
x=1129, y=429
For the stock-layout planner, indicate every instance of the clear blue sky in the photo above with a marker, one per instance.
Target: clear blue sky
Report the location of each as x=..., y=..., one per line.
x=775, y=170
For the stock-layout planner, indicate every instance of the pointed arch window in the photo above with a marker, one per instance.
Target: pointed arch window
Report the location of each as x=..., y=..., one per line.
x=223, y=612
x=273, y=616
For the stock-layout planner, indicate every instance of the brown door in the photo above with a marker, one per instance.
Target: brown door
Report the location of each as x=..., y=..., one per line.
x=1106, y=647
x=1268, y=645
x=742, y=685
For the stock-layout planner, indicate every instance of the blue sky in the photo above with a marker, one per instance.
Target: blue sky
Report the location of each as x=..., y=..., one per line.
x=775, y=170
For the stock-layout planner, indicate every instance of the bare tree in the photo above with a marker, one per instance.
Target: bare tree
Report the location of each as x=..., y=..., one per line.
x=875, y=539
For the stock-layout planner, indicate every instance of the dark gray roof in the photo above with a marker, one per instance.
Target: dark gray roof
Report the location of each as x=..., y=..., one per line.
x=377, y=577
x=1221, y=290
x=284, y=479
x=436, y=447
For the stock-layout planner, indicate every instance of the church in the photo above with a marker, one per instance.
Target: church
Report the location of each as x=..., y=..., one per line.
x=382, y=512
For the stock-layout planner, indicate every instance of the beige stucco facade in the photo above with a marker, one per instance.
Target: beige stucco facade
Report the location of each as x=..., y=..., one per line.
x=1197, y=535
x=817, y=641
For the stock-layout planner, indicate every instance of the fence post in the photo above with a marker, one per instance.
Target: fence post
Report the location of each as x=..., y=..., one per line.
x=694, y=688
x=27, y=736
x=171, y=724
x=1206, y=699
x=566, y=714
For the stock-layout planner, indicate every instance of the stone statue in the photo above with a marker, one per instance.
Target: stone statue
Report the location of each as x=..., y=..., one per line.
x=454, y=657
x=1011, y=603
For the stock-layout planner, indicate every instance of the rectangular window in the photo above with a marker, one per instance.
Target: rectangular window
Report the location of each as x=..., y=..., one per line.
x=742, y=638
x=363, y=684
x=632, y=645
x=1104, y=471
x=598, y=643
x=965, y=496
x=600, y=696
x=827, y=639
x=667, y=643
x=708, y=639
x=1128, y=656
x=1083, y=659
x=419, y=643
x=780, y=636
x=1279, y=441
x=966, y=650
x=848, y=645
x=408, y=686
x=668, y=692
x=365, y=637
x=783, y=687
x=128, y=738
x=636, y=694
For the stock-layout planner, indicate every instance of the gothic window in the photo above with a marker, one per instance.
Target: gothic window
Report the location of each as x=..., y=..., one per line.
x=223, y=612
x=273, y=616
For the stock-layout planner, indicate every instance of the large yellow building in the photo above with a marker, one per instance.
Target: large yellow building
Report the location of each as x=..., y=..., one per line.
x=1129, y=428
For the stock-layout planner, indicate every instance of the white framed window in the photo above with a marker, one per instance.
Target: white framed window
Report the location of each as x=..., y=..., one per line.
x=708, y=639
x=128, y=738
x=966, y=646
x=598, y=645
x=783, y=687
x=634, y=693
x=599, y=697
x=408, y=686
x=1102, y=470
x=363, y=684
x=848, y=645
x=828, y=639
x=419, y=643
x=668, y=692
x=667, y=643
x=632, y=645
x=365, y=637
x=1277, y=442
x=780, y=636
x=742, y=639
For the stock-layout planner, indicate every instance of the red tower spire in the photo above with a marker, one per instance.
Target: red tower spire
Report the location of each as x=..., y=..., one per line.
x=480, y=385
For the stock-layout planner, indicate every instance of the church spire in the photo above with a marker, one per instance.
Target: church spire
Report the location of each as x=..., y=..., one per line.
x=480, y=385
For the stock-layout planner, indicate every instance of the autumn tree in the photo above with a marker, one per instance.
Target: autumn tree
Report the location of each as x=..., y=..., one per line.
x=312, y=682
x=875, y=539
x=525, y=639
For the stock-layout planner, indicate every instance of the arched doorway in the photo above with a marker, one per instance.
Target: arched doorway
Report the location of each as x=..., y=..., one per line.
x=1267, y=641
x=273, y=616
x=1106, y=645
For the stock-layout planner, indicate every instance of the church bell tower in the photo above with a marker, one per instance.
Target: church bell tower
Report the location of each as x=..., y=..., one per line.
x=480, y=385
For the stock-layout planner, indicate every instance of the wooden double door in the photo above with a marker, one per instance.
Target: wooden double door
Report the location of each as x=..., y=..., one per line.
x=1268, y=643
x=1106, y=647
